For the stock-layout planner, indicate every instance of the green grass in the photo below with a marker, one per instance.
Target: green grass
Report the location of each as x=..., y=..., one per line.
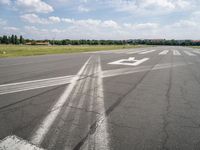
x=26, y=50
x=198, y=47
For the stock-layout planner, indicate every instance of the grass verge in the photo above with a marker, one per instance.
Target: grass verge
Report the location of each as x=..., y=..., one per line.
x=198, y=47
x=26, y=50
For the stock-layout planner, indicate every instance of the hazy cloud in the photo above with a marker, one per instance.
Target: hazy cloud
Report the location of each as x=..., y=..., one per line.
x=83, y=9
x=11, y=29
x=2, y=22
x=122, y=19
x=37, y=6
x=5, y=2
x=149, y=7
x=35, y=19
x=54, y=19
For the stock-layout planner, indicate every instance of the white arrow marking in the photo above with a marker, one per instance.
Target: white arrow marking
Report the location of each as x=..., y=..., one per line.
x=15, y=143
x=24, y=86
x=129, y=62
x=131, y=58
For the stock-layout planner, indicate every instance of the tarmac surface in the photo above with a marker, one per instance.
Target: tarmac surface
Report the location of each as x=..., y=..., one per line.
x=145, y=98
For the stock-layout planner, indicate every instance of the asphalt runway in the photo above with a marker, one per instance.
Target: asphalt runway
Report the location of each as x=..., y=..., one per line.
x=145, y=98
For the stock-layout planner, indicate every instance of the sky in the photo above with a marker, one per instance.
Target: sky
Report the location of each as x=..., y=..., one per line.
x=101, y=19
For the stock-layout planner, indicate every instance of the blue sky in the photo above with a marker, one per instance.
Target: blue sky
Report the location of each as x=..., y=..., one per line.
x=101, y=19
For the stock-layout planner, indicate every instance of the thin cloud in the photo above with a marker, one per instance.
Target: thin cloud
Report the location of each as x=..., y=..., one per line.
x=5, y=2
x=35, y=19
x=122, y=19
x=83, y=9
x=37, y=6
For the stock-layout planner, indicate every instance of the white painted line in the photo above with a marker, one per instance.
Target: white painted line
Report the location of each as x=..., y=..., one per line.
x=35, y=84
x=46, y=124
x=140, y=61
x=34, y=81
x=77, y=115
x=131, y=61
x=189, y=53
x=98, y=52
x=176, y=53
x=120, y=52
x=91, y=107
x=167, y=65
x=31, y=85
x=163, y=52
x=196, y=51
x=109, y=51
x=136, y=52
x=146, y=52
x=100, y=140
x=15, y=143
x=124, y=71
x=102, y=135
x=61, y=122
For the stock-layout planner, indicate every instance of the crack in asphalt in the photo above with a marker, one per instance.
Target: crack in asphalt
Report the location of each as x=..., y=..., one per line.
x=123, y=126
x=195, y=123
x=83, y=109
x=166, y=115
x=42, y=93
x=99, y=120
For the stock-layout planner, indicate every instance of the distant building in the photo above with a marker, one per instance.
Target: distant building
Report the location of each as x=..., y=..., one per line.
x=196, y=41
x=38, y=43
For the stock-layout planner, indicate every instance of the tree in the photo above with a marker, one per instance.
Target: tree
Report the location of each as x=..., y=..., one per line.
x=12, y=39
x=9, y=39
x=5, y=40
x=21, y=39
x=64, y=42
x=16, y=40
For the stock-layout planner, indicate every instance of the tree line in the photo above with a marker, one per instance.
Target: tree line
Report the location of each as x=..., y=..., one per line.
x=126, y=42
x=14, y=39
